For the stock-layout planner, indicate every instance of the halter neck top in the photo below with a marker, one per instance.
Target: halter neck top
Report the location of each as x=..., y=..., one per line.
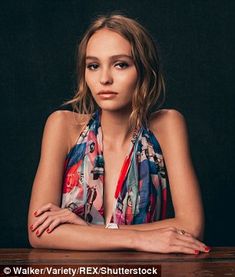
x=140, y=195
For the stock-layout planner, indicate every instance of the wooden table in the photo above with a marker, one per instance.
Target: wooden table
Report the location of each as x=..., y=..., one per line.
x=219, y=262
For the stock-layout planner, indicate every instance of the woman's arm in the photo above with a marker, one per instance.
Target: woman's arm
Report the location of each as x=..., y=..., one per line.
x=47, y=184
x=170, y=129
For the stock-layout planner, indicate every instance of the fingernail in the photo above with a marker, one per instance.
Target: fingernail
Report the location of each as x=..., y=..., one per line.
x=207, y=249
x=196, y=252
x=31, y=227
x=35, y=213
x=37, y=233
x=48, y=230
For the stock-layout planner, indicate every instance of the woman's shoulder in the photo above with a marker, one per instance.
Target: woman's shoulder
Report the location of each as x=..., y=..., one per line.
x=67, y=124
x=164, y=117
x=166, y=123
x=67, y=118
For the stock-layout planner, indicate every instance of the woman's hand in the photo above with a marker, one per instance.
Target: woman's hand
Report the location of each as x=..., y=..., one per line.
x=169, y=240
x=50, y=216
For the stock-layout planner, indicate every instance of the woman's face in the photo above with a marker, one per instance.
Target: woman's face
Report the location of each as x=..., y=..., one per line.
x=110, y=72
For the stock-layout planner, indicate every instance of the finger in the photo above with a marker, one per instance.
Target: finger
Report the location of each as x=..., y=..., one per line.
x=43, y=227
x=52, y=220
x=195, y=244
x=188, y=235
x=178, y=231
x=183, y=249
x=46, y=207
x=183, y=232
x=39, y=221
x=55, y=223
x=51, y=215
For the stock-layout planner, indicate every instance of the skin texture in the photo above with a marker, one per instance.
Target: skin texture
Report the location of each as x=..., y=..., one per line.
x=53, y=227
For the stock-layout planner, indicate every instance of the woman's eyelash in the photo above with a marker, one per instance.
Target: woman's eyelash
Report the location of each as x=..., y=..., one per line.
x=91, y=66
x=94, y=66
x=123, y=64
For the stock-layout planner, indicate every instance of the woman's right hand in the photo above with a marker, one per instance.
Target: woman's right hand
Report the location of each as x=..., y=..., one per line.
x=169, y=240
x=50, y=216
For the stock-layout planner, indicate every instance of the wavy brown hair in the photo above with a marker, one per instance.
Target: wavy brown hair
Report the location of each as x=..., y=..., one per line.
x=150, y=89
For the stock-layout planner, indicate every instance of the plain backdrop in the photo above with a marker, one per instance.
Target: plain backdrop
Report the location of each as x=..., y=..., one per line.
x=37, y=56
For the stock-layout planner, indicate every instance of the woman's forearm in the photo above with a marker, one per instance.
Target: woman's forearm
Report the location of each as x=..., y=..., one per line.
x=196, y=229
x=192, y=227
x=77, y=237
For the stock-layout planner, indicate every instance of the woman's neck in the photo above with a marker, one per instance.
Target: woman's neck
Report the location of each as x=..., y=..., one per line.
x=115, y=128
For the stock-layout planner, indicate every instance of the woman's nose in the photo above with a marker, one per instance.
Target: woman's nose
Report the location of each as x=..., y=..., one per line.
x=106, y=76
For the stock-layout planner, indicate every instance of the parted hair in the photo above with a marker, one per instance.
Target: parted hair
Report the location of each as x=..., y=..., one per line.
x=150, y=89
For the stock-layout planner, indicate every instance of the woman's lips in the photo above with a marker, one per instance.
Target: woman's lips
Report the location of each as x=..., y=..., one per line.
x=107, y=94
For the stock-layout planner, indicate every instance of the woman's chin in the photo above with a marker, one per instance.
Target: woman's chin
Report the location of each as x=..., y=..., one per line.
x=115, y=108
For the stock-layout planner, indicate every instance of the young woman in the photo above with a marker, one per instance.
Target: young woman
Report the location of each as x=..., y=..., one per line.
x=102, y=177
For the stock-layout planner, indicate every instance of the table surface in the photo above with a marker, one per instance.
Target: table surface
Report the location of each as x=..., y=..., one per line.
x=219, y=262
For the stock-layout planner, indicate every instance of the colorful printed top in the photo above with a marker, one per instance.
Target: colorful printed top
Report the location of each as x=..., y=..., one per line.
x=140, y=195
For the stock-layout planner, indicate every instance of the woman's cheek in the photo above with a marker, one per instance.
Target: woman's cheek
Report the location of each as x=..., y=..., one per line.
x=128, y=79
x=91, y=82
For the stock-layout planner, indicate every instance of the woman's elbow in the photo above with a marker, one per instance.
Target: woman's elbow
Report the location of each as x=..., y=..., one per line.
x=193, y=225
x=198, y=231
x=32, y=241
x=196, y=228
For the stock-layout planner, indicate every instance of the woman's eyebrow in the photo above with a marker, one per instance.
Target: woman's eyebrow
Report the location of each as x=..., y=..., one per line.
x=111, y=57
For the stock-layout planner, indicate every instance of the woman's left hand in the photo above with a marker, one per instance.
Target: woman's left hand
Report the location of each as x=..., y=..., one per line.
x=51, y=216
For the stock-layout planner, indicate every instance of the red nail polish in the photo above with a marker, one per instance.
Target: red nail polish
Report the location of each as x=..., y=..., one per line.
x=35, y=213
x=48, y=230
x=196, y=252
x=207, y=248
x=37, y=233
x=31, y=227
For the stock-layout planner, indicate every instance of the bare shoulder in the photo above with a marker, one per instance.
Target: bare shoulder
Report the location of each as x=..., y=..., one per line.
x=165, y=117
x=167, y=123
x=67, y=118
x=66, y=125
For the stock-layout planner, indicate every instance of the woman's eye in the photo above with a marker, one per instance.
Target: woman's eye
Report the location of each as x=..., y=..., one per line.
x=92, y=66
x=122, y=65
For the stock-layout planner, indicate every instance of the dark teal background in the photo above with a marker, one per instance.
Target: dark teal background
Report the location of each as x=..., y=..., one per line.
x=37, y=62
